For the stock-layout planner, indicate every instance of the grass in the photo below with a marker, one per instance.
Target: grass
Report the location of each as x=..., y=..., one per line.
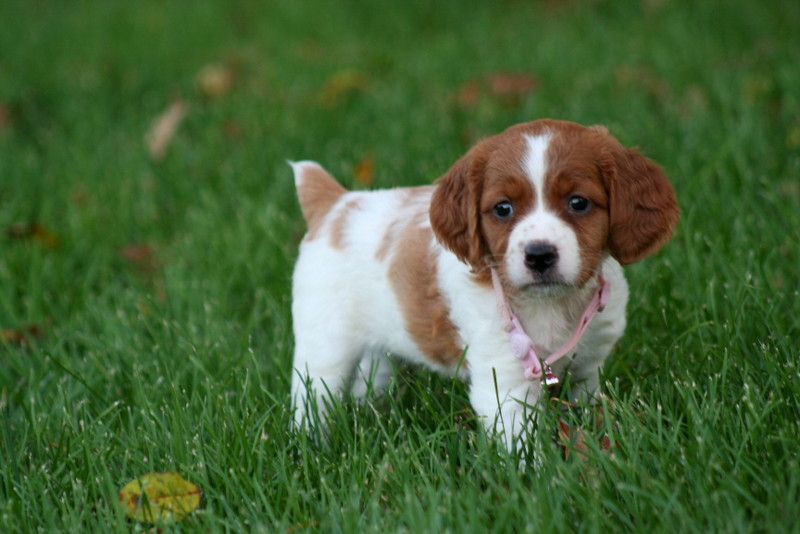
x=147, y=320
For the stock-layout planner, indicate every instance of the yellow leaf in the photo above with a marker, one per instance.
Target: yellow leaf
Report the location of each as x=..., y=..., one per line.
x=793, y=138
x=158, y=497
x=365, y=169
x=341, y=85
x=215, y=80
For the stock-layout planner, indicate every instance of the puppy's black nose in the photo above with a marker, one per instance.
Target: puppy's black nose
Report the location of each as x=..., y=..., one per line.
x=540, y=256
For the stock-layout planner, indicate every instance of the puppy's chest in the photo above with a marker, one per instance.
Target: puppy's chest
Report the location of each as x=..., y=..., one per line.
x=549, y=327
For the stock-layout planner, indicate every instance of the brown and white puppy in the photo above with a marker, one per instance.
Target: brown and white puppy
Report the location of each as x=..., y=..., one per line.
x=549, y=205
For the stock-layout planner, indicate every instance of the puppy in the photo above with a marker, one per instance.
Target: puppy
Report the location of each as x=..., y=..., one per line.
x=506, y=271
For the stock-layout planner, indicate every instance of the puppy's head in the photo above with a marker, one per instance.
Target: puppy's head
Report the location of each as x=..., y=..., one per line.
x=545, y=201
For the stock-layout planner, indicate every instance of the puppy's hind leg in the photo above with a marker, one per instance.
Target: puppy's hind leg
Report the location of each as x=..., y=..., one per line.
x=324, y=361
x=372, y=374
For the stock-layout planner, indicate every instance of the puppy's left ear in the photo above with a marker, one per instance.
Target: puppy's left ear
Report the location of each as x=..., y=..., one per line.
x=643, y=207
x=455, y=211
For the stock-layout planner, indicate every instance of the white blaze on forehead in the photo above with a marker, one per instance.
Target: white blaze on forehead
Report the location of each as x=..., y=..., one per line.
x=535, y=163
x=541, y=225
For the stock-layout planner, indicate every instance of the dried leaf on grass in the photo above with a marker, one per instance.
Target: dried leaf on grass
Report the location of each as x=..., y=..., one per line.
x=142, y=256
x=793, y=138
x=341, y=85
x=5, y=116
x=21, y=336
x=500, y=85
x=35, y=232
x=643, y=80
x=163, y=129
x=157, y=497
x=365, y=170
x=215, y=80
x=575, y=439
x=232, y=129
x=510, y=84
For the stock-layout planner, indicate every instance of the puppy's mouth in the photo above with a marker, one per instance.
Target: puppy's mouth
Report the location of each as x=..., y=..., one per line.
x=547, y=284
x=545, y=288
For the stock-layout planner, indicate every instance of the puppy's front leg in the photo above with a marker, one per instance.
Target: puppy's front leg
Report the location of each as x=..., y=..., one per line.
x=506, y=402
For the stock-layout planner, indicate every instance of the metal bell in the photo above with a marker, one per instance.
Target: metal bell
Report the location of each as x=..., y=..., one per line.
x=550, y=378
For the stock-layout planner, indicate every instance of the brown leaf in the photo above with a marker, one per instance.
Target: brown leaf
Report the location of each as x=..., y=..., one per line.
x=498, y=85
x=511, y=84
x=574, y=439
x=21, y=337
x=571, y=439
x=469, y=93
x=643, y=80
x=365, y=170
x=163, y=129
x=78, y=196
x=232, y=130
x=5, y=116
x=35, y=232
x=141, y=256
x=340, y=85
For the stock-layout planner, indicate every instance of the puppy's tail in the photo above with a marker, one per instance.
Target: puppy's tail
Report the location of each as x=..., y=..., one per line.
x=317, y=190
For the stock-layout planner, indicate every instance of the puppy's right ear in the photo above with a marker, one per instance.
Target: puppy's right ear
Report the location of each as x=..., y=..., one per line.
x=455, y=208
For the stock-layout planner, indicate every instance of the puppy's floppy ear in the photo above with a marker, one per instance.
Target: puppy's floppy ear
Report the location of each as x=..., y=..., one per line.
x=643, y=208
x=455, y=207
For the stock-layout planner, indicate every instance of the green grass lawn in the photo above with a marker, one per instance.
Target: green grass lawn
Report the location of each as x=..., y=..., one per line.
x=144, y=302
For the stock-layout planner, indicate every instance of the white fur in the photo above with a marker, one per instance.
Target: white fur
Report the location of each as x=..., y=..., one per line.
x=535, y=161
x=347, y=316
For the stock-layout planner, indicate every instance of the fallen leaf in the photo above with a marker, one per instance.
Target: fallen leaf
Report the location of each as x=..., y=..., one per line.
x=511, y=84
x=469, y=93
x=21, y=337
x=232, y=130
x=163, y=129
x=365, y=170
x=499, y=85
x=574, y=439
x=34, y=231
x=340, y=85
x=215, y=80
x=78, y=196
x=793, y=138
x=5, y=116
x=156, y=497
x=642, y=79
x=141, y=255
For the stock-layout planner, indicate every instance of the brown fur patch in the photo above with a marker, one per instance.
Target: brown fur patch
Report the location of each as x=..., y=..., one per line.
x=340, y=223
x=412, y=274
x=390, y=237
x=317, y=192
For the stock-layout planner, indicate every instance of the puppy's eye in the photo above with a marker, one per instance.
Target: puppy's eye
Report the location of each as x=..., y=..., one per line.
x=578, y=204
x=503, y=210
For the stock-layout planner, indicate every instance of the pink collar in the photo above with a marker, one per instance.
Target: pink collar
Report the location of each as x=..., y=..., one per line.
x=522, y=345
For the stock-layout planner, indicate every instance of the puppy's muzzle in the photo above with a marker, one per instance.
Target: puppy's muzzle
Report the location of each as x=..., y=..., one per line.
x=541, y=257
